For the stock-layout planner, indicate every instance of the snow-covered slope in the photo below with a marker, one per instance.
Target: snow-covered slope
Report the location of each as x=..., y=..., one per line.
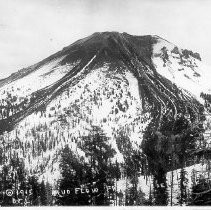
x=118, y=82
x=182, y=67
x=115, y=106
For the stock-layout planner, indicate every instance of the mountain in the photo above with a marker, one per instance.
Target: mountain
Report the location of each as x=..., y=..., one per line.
x=133, y=89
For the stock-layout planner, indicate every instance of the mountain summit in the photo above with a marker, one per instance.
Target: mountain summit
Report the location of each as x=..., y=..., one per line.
x=117, y=51
x=127, y=90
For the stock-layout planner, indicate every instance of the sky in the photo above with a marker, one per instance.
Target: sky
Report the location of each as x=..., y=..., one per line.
x=31, y=30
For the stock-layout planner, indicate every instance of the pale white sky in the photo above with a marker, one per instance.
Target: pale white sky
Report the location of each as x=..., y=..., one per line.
x=31, y=30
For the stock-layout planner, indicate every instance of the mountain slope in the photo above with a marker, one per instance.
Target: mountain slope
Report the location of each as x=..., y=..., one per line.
x=121, y=83
x=116, y=50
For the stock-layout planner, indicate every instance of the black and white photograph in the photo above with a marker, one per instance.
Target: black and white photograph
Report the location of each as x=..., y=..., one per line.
x=105, y=103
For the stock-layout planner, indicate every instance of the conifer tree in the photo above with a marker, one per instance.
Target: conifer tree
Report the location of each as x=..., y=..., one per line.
x=43, y=194
x=99, y=152
x=5, y=185
x=35, y=189
x=49, y=193
x=183, y=187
